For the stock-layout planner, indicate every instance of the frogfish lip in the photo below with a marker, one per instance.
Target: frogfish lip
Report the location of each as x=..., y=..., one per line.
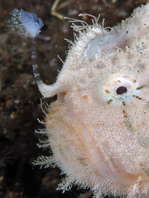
x=118, y=174
x=112, y=169
x=109, y=167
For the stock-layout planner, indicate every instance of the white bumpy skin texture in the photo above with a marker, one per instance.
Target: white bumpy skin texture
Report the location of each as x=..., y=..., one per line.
x=98, y=129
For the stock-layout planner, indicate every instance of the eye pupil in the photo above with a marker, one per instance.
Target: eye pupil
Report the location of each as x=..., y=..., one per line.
x=120, y=90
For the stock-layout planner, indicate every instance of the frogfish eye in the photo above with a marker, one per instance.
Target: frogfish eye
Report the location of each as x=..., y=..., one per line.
x=121, y=90
x=118, y=89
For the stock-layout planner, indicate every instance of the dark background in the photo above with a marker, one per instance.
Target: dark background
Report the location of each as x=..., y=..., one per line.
x=20, y=100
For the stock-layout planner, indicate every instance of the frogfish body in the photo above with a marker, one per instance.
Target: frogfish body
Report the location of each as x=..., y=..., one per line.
x=98, y=129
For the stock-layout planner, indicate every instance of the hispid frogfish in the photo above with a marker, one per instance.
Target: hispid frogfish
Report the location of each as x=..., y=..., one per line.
x=98, y=128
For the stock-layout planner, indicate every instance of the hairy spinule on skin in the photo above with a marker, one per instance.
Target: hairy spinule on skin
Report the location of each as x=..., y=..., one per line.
x=98, y=129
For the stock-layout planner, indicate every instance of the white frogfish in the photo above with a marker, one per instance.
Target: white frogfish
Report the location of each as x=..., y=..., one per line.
x=98, y=128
